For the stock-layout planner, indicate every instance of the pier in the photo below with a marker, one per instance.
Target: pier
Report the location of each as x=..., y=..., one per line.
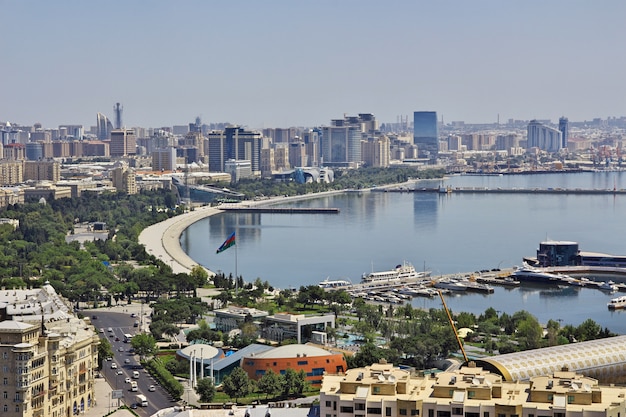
x=487, y=190
x=287, y=210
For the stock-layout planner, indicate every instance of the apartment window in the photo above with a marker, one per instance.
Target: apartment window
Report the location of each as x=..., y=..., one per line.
x=415, y=412
x=559, y=414
x=359, y=406
x=374, y=410
x=328, y=403
x=5, y=355
x=441, y=413
x=402, y=412
x=375, y=390
x=431, y=413
x=5, y=369
x=346, y=409
x=570, y=399
x=5, y=381
x=388, y=411
x=532, y=415
x=457, y=411
x=5, y=408
x=472, y=414
x=486, y=414
x=471, y=394
x=17, y=408
x=5, y=395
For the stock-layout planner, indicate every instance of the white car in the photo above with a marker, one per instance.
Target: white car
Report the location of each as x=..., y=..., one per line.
x=120, y=372
x=127, y=380
x=152, y=388
x=113, y=365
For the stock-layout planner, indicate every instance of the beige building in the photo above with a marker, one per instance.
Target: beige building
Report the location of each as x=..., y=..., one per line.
x=11, y=172
x=42, y=171
x=47, y=355
x=376, y=152
x=123, y=143
x=385, y=390
x=124, y=179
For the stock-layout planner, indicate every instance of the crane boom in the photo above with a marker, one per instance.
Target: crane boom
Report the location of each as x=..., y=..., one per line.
x=456, y=334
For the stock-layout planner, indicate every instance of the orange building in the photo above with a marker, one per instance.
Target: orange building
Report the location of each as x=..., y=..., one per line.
x=312, y=360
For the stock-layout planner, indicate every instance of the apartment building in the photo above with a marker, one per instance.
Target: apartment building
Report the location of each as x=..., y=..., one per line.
x=48, y=356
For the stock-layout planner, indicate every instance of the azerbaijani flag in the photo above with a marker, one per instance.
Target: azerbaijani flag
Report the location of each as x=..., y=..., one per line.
x=227, y=243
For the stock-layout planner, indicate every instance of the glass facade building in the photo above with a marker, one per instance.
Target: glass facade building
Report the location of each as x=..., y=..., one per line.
x=426, y=134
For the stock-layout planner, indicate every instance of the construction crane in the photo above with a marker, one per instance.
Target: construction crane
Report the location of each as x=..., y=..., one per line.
x=456, y=334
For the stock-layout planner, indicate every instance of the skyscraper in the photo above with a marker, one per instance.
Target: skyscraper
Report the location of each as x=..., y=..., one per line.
x=564, y=129
x=543, y=137
x=234, y=143
x=103, y=127
x=426, y=134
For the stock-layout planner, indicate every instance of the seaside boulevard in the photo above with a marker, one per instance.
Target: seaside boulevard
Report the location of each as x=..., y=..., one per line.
x=163, y=239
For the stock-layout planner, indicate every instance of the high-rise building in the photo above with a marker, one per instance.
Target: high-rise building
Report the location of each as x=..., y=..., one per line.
x=123, y=178
x=297, y=154
x=234, y=143
x=543, y=137
x=103, y=127
x=49, y=170
x=426, y=134
x=164, y=159
x=564, y=129
x=376, y=151
x=123, y=143
x=341, y=145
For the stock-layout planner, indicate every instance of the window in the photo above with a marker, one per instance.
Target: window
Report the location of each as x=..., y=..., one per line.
x=359, y=406
x=346, y=409
x=550, y=397
x=17, y=408
x=570, y=399
x=388, y=411
x=5, y=369
x=457, y=411
x=5, y=381
x=303, y=362
x=403, y=412
x=431, y=413
x=415, y=412
x=374, y=410
x=328, y=403
x=471, y=394
x=486, y=414
x=5, y=395
x=375, y=390
x=5, y=408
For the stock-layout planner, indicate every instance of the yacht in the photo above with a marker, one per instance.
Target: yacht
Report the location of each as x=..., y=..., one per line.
x=528, y=274
x=337, y=283
x=401, y=273
x=617, y=303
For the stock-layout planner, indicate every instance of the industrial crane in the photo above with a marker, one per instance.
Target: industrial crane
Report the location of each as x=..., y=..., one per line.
x=456, y=334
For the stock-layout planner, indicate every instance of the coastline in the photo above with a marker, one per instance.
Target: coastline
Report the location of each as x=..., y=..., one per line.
x=163, y=239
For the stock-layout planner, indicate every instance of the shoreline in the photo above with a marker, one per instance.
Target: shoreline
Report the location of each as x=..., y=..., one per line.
x=163, y=239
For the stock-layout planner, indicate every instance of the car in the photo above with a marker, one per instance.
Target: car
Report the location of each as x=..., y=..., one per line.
x=131, y=350
x=151, y=388
x=117, y=339
x=101, y=330
x=133, y=406
x=113, y=365
x=120, y=372
x=110, y=330
x=133, y=315
x=120, y=349
x=94, y=317
x=108, y=359
x=127, y=380
x=126, y=360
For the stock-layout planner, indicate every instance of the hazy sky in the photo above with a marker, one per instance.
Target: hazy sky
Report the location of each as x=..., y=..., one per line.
x=266, y=63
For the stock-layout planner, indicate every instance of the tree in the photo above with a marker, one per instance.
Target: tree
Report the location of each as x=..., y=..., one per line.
x=104, y=351
x=237, y=384
x=144, y=344
x=270, y=384
x=205, y=389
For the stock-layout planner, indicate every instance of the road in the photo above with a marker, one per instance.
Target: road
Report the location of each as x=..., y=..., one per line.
x=120, y=324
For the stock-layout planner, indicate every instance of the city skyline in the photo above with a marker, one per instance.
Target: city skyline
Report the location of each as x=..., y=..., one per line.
x=279, y=64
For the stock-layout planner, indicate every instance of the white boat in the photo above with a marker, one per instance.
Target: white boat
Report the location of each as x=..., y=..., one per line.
x=401, y=273
x=337, y=283
x=617, y=303
x=450, y=284
x=608, y=286
x=528, y=274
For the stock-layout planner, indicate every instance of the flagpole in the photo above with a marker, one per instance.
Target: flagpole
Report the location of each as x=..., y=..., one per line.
x=236, y=279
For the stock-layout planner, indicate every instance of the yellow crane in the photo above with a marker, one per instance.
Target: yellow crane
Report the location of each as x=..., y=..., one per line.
x=456, y=334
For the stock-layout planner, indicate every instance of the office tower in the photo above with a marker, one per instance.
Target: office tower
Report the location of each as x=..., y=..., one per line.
x=312, y=140
x=376, y=151
x=564, y=129
x=341, y=145
x=543, y=137
x=34, y=151
x=426, y=134
x=164, y=159
x=297, y=154
x=123, y=143
x=103, y=127
x=234, y=143
x=118, y=109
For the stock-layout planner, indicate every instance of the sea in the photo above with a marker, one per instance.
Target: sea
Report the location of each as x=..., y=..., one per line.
x=445, y=233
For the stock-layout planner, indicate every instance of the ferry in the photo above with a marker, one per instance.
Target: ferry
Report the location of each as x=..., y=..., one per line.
x=337, y=283
x=401, y=273
x=618, y=303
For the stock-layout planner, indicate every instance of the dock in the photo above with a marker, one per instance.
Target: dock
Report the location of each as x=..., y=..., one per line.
x=287, y=210
x=498, y=190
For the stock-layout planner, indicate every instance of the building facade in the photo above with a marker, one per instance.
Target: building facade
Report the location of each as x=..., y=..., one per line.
x=543, y=137
x=42, y=171
x=426, y=134
x=123, y=143
x=234, y=143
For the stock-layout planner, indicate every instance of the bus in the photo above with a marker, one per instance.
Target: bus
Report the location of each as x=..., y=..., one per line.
x=127, y=338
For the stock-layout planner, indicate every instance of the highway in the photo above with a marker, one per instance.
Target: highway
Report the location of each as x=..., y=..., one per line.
x=120, y=324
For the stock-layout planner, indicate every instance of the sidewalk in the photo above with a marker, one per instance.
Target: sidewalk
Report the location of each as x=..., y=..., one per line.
x=103, y=405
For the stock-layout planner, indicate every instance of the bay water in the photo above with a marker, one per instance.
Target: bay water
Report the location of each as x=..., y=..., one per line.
x=441, y=233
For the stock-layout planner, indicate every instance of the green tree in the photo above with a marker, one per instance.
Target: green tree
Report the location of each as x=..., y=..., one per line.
x=237, y=384
x=104, y=351
x=270, y=384
x=529, y=332
x=144, y=344
x=206, y=390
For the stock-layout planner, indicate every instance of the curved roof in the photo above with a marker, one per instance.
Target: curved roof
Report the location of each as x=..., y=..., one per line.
x=292, y=351
x=582, y=357
x=199, y=351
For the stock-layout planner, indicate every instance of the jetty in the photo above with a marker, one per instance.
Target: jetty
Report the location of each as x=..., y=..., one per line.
x=288, y=210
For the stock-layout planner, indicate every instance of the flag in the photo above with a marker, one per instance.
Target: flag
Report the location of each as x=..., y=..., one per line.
x=227, y=243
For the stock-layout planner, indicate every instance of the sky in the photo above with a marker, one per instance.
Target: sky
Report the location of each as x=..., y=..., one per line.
x=283, y=63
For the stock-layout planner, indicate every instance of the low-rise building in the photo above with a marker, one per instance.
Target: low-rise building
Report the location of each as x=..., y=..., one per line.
x=299, y=327
x=382, y=389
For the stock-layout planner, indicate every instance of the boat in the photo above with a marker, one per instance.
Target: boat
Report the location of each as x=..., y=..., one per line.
x=529, y=274
x=404, y=272
x=337, y=283
x=450, y=284
x=608, y=286
x=617, y=303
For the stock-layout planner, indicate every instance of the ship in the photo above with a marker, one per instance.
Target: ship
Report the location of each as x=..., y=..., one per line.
x=336, y=283
x=618, y=303
x=404, y=272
